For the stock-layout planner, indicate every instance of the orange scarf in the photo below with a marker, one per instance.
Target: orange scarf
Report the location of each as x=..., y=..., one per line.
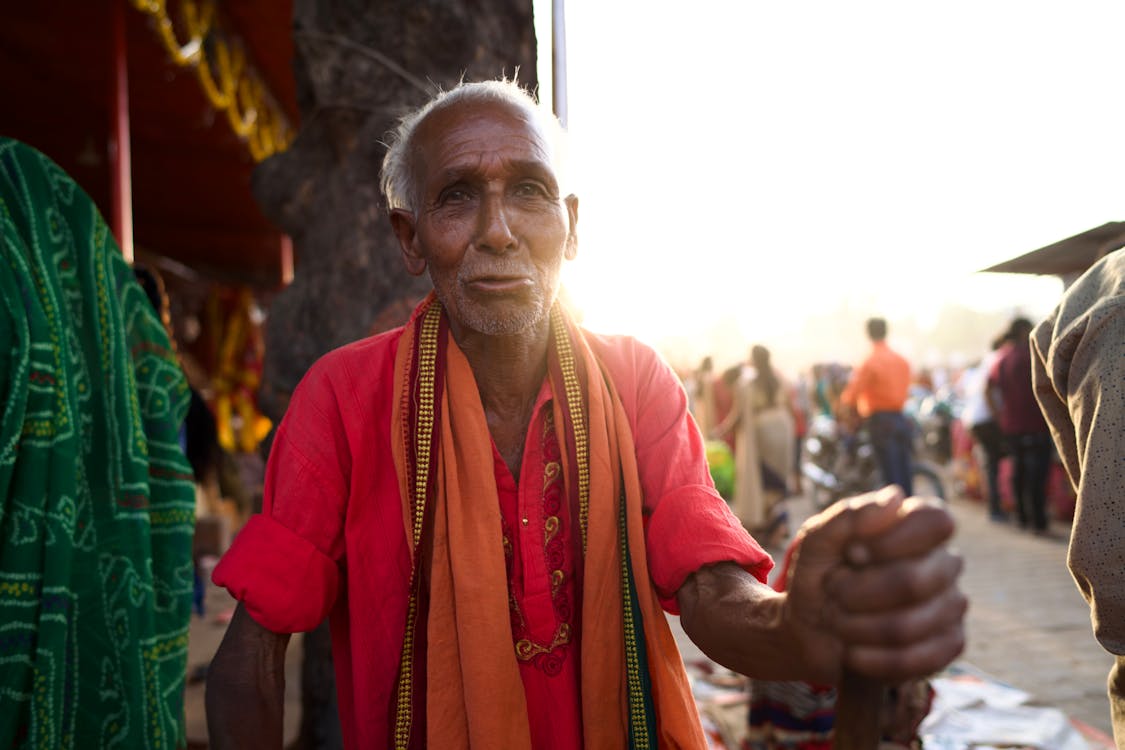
x=470, y=694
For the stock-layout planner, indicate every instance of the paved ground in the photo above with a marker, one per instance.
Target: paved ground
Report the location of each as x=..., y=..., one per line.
x=1027, y=624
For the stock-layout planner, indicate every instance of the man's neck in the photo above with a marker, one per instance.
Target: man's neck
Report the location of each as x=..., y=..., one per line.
x=509, y=372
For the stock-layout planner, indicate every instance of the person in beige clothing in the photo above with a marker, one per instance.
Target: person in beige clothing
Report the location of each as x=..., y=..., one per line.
x=1079, y=378
x=703, y=397
x=764, y=445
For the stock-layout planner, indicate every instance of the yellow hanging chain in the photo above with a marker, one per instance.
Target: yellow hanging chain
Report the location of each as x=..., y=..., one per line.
x=238, y=93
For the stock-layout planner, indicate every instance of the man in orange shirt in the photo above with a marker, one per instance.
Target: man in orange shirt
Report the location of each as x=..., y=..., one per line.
x=877, y=392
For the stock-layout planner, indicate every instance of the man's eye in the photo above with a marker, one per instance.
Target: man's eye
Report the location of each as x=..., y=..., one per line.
x=455, y=195
x=530, y=190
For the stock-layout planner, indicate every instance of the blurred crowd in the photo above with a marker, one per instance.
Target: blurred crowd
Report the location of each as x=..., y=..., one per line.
x=976, y=427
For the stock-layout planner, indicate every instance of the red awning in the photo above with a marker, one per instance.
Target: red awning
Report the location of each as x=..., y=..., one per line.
x=191, y=173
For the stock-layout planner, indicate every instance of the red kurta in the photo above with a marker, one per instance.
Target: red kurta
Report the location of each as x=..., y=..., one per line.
x=332, y=540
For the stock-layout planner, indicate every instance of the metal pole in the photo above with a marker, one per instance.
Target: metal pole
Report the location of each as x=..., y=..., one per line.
x=558, y=58
x=120, y=153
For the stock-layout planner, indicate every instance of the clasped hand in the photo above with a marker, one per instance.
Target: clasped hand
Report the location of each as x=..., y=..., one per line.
x=872, y=587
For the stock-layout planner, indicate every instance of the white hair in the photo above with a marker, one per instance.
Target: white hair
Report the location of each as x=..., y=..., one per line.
x=398, y=178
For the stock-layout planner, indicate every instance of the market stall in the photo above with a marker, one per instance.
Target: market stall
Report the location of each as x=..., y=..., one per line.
x=160, y=110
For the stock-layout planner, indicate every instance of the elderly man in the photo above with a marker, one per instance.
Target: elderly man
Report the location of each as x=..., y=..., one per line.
x=493, y=506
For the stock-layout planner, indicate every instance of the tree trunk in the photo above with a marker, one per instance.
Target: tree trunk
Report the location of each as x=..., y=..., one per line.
x=360, y=65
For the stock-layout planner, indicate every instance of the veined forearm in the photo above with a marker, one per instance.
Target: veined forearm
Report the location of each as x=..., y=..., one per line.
x=740, y=623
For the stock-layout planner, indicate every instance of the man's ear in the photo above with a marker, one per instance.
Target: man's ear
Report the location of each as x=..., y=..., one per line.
x=402, y=222
x=572, y=233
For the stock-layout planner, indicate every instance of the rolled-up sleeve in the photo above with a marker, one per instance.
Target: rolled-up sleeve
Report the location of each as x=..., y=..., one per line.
x=691, y=527
x=285, y=582
x=284, y=565
x=688, y=525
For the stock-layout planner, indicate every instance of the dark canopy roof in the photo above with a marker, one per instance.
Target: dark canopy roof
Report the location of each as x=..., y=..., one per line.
x=191, y=173
x=1069, y=257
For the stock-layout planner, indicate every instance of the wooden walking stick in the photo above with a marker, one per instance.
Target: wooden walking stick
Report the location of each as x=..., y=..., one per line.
x=859, y=705
x=859, y=702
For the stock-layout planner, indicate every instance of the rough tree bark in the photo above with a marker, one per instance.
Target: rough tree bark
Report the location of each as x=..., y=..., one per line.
x=359, y=65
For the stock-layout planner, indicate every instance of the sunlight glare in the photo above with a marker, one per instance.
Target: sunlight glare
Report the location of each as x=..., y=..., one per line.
x=771, y=173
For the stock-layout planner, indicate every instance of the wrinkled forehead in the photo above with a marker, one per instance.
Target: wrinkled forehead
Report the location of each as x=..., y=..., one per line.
x=467, y=131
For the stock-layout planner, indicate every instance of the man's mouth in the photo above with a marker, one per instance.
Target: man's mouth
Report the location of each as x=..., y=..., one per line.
x=498, y=283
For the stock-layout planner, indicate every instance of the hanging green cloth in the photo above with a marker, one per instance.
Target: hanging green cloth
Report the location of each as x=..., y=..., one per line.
x=96, y=499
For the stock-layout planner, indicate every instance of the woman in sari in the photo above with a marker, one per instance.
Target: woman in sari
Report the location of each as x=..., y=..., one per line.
x=96, y=498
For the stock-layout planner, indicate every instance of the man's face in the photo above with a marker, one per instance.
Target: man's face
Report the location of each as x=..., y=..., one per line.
x=490, y=223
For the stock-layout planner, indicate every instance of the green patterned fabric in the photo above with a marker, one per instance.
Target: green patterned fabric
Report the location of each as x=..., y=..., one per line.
x=96, y=499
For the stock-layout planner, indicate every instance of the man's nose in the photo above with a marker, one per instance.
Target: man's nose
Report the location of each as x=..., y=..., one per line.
x=495, y=233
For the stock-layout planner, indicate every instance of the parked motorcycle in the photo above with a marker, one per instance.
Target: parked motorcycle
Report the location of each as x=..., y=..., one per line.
x=838, y=464
x=933, y=418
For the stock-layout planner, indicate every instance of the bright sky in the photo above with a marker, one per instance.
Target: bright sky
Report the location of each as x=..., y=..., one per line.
x=748, y=164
